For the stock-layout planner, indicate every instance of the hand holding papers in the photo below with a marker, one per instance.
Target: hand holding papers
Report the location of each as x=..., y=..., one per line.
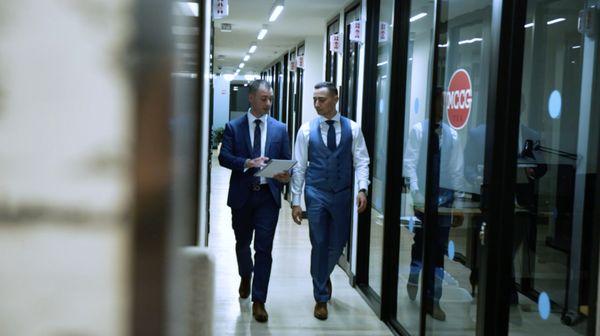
x=275, y=167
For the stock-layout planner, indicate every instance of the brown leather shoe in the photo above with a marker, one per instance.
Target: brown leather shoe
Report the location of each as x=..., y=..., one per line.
x=259, y=312
x=321, y=310
x=329, y=288
x=244, y=289
x=435, y=311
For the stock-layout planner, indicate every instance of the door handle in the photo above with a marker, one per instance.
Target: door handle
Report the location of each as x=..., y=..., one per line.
x=482, y=233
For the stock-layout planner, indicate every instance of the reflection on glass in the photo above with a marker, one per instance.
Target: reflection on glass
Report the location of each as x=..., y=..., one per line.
x=417, y=93
x=463, y=77
x=331, y=57
x=380, y=149
x=551, y=292
x=351, y=61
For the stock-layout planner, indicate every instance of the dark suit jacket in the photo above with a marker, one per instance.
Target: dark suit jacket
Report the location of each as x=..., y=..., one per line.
x=236, y=148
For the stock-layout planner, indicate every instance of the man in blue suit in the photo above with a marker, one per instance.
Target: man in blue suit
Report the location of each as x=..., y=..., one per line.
x=331, y=153
x=248, y=143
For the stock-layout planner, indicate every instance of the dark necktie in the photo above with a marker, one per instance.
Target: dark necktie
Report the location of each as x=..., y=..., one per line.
x=256, y=149
x=256, y=146
x=331, y=135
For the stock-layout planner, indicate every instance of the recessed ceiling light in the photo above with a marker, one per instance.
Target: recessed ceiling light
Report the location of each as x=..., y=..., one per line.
x=555, y=21
x=276, y=9
x=252, y=48
x=262, y=33
x=418, y=16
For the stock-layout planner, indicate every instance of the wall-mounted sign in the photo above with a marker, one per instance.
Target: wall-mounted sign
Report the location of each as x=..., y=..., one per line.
x=300, y=61
x=458, y=99
x=356, y=31
x=220, y=9
x=335, y=44
x=384, y=33
x=293, y=65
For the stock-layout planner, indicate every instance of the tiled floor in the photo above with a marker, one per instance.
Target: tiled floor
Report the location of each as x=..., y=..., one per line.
x=290, y=302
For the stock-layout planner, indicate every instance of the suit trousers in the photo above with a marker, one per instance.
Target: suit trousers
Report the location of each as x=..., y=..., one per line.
x=259, y=216
x=438, y=248
x=329, y=215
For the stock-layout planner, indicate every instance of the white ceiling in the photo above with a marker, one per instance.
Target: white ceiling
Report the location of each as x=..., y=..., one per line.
x=300, y=18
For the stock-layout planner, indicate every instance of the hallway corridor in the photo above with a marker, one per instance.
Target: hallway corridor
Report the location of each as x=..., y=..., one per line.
x=290, y=302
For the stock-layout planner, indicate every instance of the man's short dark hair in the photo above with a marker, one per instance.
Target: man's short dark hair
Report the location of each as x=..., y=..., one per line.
x=329, y=86
x=255, y=85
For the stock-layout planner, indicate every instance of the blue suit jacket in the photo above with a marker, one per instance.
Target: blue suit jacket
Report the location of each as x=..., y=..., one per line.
x=237, y=147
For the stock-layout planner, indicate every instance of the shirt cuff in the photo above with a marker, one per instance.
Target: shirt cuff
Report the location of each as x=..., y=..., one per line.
x=363, y=185
x=296, y=200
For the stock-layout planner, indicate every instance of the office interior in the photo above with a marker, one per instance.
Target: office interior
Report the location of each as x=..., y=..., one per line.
x=481, y=119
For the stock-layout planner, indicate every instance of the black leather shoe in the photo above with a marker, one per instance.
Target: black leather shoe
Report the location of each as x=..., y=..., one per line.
x=321, y=310
x=244, y=289
x=259, y=312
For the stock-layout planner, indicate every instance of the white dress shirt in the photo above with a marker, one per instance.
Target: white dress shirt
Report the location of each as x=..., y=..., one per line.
x=448, y=179
x=263, y=136
x=359, y=153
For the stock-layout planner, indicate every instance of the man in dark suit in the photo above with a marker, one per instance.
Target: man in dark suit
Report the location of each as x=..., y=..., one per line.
x=248, y=143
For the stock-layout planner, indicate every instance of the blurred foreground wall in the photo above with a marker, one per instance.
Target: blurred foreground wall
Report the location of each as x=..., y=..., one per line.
x=66, y=115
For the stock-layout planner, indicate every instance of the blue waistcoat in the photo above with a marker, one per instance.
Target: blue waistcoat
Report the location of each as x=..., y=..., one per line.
x=329, y=170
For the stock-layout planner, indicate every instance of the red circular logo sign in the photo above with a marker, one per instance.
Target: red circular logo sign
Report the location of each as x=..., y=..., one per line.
x=458, y=99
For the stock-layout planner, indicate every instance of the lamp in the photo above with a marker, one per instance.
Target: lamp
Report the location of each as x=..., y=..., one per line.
x=262, y=32
x=276, y=9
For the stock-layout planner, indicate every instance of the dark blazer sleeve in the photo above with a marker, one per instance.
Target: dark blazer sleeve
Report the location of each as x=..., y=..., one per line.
x=227, y=157
x=286, y=153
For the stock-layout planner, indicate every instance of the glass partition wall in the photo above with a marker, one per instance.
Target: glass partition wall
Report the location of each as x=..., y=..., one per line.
x=442, y=236
x=557, y=158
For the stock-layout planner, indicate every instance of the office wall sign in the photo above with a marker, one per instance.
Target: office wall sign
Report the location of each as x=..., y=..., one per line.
x=293, y=66
x=356, y=31
x=335, y=45
x=383, y=31
x=458, y=99
x=220, y=9
x=300, y=61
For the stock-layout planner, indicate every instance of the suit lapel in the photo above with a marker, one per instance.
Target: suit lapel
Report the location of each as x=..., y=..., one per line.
x=246, y=134
x=269, y=136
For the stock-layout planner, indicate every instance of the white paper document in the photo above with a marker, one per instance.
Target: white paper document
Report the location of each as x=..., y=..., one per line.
x=275, y=167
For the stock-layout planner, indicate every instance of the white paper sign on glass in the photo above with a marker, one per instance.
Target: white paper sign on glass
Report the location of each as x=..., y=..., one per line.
x=356, y=31
x=335, y=45
x=220, y=9
x=300, y=61
x=384, y=33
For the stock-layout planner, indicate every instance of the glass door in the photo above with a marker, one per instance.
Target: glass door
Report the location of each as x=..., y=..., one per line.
x=331, y=57
x=440, y=212
x=556, y=172
x=380, y=150
x=351, y=62
x=299, y=92
x=291, y=117
x=347, y=105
